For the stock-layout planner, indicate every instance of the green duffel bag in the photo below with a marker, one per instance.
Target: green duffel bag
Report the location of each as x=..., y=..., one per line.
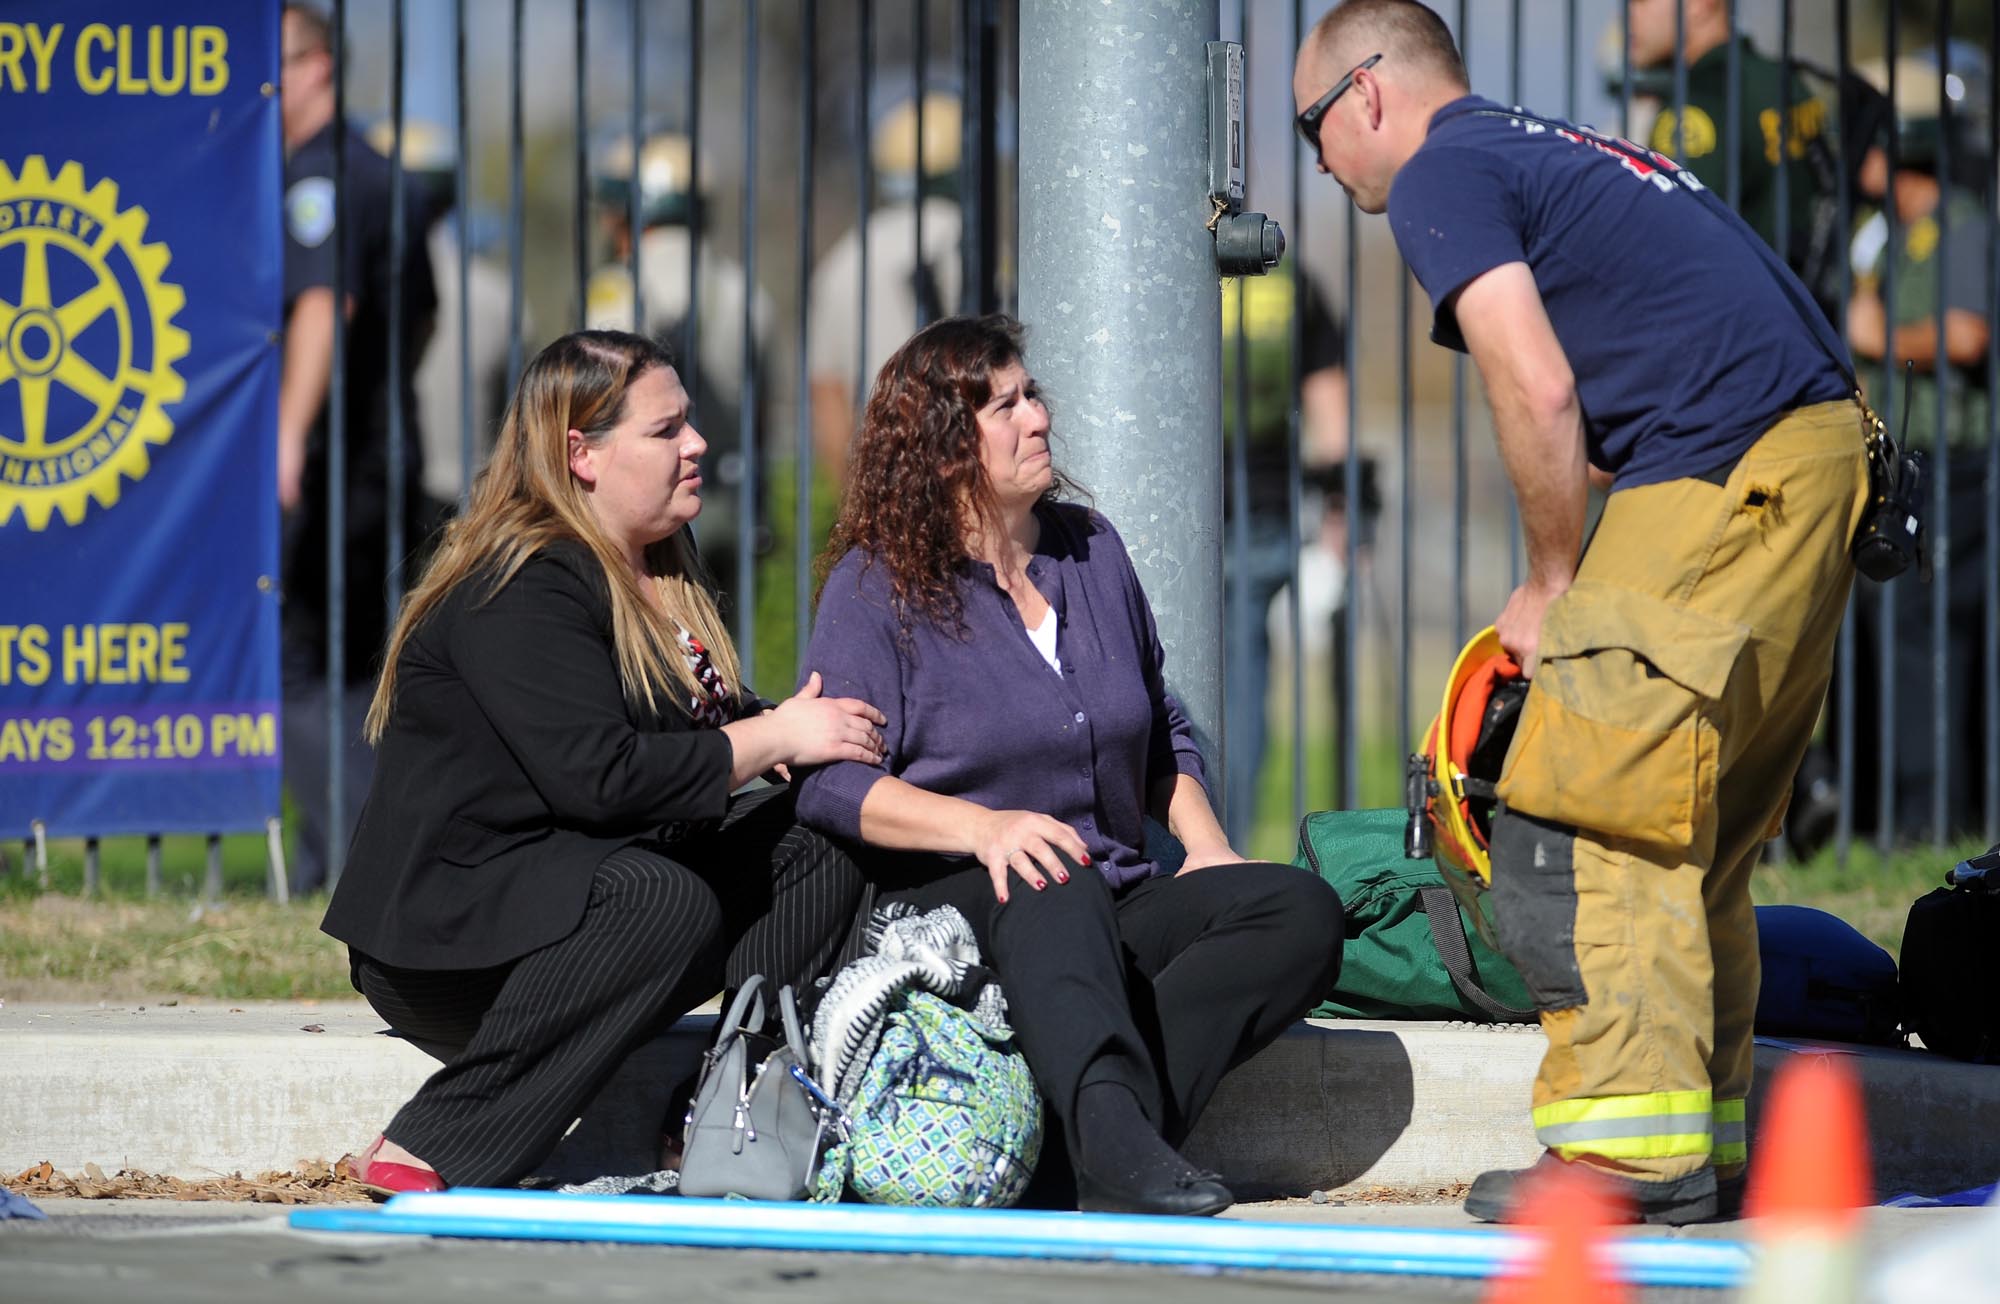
x=1409, y=953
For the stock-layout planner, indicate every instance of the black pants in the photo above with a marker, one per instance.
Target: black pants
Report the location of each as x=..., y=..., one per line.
x=1162, y=988
x=526, y=1045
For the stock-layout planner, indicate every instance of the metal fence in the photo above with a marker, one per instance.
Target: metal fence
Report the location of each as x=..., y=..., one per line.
x=1395, y=532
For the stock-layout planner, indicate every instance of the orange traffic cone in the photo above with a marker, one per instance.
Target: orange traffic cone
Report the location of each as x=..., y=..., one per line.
x=1809, y=1185
x=1564, y=1212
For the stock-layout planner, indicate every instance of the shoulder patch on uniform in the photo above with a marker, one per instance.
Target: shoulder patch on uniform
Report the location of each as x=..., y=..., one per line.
x=309, y=210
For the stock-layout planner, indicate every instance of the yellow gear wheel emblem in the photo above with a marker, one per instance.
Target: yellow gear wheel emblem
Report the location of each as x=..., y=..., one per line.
x=87, y=343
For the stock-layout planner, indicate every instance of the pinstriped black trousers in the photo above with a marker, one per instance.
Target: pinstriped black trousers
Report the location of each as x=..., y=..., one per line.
x=526, y=1045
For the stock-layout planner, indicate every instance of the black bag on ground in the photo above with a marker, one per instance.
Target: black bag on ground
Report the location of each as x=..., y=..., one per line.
x=1948, y=952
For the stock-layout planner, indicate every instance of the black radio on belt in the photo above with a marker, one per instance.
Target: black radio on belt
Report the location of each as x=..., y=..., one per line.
x=1891, y=536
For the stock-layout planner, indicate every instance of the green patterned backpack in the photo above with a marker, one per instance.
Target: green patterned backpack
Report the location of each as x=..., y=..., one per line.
x=938, y=1107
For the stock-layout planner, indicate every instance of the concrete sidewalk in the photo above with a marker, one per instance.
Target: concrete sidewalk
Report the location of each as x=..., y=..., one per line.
x=202, y=1088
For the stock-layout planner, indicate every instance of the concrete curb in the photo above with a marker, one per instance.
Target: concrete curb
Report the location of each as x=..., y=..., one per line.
x=199, y=1089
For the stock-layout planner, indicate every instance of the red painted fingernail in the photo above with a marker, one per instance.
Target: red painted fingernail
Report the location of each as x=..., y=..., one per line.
x=1062, y=878
x=1040, y=884
x=1086, y=857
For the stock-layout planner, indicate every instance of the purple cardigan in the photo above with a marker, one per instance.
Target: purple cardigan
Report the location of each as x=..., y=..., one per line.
x=983, y=717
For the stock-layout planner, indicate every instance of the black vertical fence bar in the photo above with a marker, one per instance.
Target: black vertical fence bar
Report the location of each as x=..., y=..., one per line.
x=1406, y=515
x=920, y=37
x=1679, y=146
x=1514, y=52
x=1515, y=545
x=1624, y=71
x=691, y=328
x=973, y=194
x=1990, y=658
x=336, y=486
x=802, y=504
x=1782, y=210
x=92, y=867
x=1237, y=589
x=864, y=190
x=746, y=425
x=1732, y=117
x=1347, y=645
x=634, y=126
x=211, y=889
x=1940, y=528
x=1885, y=785
x=462, y=200
x=399, y=486
x=152, y=865
x=580, y=223
x=517, y=194
x=1845, y=669
x=1461, y=471
x=1570, y=60
x=981, y=157
x=1295, y=489
x=1010, y=301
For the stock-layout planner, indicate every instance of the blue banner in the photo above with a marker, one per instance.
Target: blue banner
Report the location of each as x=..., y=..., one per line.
x=140, y=283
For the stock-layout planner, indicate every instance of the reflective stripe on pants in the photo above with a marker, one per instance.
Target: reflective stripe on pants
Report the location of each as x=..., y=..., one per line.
x=1660, y=1125
x=1732, y=1135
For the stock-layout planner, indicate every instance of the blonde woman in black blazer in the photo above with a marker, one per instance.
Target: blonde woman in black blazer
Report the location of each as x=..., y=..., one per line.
x=550, y=864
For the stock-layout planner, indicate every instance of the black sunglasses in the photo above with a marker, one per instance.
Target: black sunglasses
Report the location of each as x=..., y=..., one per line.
x=1309, y=117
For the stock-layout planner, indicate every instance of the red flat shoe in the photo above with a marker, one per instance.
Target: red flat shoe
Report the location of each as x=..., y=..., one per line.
x=385, y=1179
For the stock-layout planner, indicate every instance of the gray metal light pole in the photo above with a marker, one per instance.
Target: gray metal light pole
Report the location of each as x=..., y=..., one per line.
x=1122, y=302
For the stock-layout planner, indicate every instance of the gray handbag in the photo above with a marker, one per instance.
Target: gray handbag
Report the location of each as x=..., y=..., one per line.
x=754, y=1129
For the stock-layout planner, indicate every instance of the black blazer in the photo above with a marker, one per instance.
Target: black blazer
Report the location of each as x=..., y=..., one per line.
x=511, y=766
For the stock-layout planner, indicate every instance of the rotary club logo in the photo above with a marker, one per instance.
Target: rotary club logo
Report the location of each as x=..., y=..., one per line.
x=87, y=344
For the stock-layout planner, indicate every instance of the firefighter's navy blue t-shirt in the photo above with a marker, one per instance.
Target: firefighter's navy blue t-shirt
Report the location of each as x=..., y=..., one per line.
x=1685, y=349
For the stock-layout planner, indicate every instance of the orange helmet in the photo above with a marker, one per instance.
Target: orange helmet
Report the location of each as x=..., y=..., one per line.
x=1449, y=789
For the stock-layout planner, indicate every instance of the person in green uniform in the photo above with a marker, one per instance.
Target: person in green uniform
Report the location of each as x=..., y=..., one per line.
x=1940, y=226
x=1765, y=91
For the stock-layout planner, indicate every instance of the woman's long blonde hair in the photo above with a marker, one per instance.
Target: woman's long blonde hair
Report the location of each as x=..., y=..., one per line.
x=526, y=498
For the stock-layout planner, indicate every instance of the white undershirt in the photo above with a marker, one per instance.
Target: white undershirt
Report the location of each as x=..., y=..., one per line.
x=1044, y=639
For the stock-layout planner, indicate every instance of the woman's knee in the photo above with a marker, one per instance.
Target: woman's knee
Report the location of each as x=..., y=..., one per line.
x=1305, y=922
x=1061, y=916
x=639, y=892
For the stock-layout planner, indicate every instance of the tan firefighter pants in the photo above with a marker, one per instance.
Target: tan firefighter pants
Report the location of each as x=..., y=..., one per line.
x=1678, y=684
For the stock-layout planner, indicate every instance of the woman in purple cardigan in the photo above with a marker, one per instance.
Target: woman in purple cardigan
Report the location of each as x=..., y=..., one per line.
x=1029, y=733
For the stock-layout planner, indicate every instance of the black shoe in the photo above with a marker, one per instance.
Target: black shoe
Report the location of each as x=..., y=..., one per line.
x=1193, y=1193
x=1729, y=1196
x=1675, y=1203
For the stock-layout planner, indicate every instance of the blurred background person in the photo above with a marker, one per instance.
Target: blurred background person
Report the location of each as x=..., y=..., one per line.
x=429, y=159
x=1252, y=584
x=669, y=208
x=1940, y=221
x=306, y=109
x=905, y=290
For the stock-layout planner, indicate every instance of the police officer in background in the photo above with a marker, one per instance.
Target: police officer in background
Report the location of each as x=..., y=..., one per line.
x=668, y=207
x=306, y=102
x=1765, y=90
x=1937, y=220
x=907, y=288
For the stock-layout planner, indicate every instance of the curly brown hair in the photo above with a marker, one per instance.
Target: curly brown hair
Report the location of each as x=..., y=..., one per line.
x=915, y=485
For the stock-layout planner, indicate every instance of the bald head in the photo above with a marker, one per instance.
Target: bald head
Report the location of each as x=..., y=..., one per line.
x=1410, y=36
x=1369, y=79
